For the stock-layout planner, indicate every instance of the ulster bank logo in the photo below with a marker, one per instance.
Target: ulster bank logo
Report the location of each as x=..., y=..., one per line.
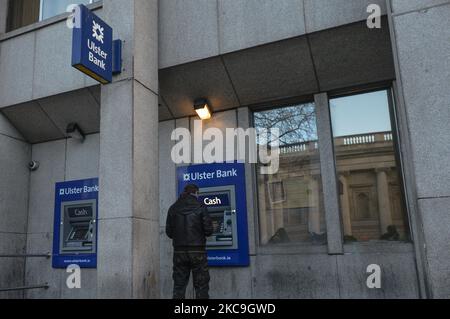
x=186, y=177
x=97, y=31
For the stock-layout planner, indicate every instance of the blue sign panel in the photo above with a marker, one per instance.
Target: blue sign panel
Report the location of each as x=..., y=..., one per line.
x=75, y=224
x=222, y=190
x=92, y=45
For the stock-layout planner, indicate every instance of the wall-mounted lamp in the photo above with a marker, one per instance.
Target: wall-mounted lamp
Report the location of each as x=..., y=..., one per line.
x=74, y=131
x=202, y=108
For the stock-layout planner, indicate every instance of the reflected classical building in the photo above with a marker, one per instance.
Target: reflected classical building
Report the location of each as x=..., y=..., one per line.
x=370, y=197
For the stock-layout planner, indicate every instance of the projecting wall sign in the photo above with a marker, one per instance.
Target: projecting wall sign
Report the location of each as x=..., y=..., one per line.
x=92, y=46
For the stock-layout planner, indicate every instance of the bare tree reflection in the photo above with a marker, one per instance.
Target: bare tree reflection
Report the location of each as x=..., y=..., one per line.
x=296, y=124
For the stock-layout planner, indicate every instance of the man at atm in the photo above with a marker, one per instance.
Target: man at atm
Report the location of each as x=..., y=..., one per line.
x=188, y=225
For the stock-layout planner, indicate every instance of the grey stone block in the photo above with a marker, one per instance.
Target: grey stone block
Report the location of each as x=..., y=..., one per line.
x=295, y=277
x=167, y=178
x=14, y=178
x=51, y=157
x=146, y=263
x=12, y=269
x=249, y=23
x=271, y=72
x=398, y=275
x=326, y=14
x=11, y=276
x=145, y=154
x=115, y=171
x=188, y=31
x=146, y=43
x=16, y=69
x=88, y=288
x=53, y=71
x=120, y=16
x=328, y=174
x=83, y=158
x=230, y=283
x=436, y=218
x=402, y=6
x=426, y=90
x=115, y=252
x=39, y=270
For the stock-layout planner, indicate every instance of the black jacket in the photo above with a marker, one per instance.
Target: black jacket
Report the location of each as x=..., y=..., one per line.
x=188, y=224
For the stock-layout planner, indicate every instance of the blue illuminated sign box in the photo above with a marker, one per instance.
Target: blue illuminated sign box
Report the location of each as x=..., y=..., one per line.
x=92, y=45
x=213, y=176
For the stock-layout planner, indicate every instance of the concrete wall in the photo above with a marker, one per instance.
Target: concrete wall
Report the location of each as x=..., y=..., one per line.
x=61, y=160
x=421, y=30
x=37, y=64
x=196, y=29
x=295, y=271
x=14, y=176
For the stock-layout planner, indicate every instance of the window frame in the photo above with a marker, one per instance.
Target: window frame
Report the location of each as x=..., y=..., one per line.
x=41, y=12
x=324, y=118
x=389, y=88
x=295, y=247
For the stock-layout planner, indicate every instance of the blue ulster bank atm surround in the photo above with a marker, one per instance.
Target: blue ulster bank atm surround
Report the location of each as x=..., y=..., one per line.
x=222, y=190
x=75, y=224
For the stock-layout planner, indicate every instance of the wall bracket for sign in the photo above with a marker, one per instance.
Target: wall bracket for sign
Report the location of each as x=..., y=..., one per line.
x=117, y=57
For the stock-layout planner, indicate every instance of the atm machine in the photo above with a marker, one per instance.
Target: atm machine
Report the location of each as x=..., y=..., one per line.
x=75, y=224
x=77, y=227
x=221, y=204
x=223, y=192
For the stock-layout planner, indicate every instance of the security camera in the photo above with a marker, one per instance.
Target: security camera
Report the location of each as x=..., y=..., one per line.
x=33, y=165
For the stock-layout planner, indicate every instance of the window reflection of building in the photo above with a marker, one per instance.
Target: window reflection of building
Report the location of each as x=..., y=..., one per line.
x=290, y=202
x=369, y=190
x=370, y=195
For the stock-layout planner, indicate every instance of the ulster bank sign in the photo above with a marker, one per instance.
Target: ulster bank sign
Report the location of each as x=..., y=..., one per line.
x=92, y=45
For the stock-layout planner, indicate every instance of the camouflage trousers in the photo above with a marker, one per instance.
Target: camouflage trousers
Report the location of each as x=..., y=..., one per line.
x=183, y=263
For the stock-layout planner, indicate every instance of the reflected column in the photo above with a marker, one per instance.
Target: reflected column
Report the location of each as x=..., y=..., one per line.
x=384, y=204
x=314, y=216
x=345, y=204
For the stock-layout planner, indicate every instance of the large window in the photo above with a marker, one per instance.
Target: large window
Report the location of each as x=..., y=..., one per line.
x=50, y=8
x=291, y=206
x=368, y=192
x=24, y=12
x=369, y=185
